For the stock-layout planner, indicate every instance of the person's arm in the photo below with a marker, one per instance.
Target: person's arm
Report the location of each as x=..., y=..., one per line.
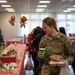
x=69, y=52
x=41, y=45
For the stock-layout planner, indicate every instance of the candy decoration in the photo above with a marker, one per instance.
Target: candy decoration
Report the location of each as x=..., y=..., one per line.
x=23, y=21
x=12, y=20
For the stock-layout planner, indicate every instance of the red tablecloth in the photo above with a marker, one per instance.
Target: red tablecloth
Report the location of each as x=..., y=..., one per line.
x=21, y=48
x=13, y=40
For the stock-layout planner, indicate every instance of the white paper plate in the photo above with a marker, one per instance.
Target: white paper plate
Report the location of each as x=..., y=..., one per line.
x=60, y=63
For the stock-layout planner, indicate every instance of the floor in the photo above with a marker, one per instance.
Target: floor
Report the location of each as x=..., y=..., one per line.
x=26, y=72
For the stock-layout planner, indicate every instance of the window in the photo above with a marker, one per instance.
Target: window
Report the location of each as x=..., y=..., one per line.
x=61, y=17
x=34, y=16
x=34, y=20
x=67, y=21
x=61, y=24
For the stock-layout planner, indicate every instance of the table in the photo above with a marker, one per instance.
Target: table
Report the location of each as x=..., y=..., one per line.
x=21, y=48
x=13, y=40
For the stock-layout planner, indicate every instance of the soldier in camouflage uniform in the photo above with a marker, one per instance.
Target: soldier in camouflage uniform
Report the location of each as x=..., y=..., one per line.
x=55, y=43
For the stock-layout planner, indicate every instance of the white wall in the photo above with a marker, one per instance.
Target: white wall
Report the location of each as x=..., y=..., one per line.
x=8, y=30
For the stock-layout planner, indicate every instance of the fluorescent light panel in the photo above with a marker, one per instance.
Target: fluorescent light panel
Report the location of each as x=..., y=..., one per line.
x=66, y=11
x=3, y=1
x=73, y=5
x=42, y=5
x=71, y=9
x=67, y=0
x=44, y=1
x=39, y=9
x=9, y=9
x=6, y=5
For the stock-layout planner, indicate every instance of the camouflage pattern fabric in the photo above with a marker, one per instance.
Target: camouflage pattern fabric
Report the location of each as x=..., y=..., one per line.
x=57, y=45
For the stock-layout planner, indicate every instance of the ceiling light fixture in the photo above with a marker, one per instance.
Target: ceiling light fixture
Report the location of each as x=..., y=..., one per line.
x=42, y=5
x=66, y=11
x=40, y=9
x=73, y=5
x=67, y=0
x=71, y=9
x=44, y=1
x=3, y=1
x=6, y=5
x=9, y=9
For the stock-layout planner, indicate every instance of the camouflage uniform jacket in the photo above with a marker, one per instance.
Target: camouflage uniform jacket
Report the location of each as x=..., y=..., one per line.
x=58, y=45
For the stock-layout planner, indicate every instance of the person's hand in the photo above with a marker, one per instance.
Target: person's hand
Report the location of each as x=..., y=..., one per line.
x=40, y=54
x=64, y=61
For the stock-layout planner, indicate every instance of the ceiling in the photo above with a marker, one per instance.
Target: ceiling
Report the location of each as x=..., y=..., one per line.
x=31, y=5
